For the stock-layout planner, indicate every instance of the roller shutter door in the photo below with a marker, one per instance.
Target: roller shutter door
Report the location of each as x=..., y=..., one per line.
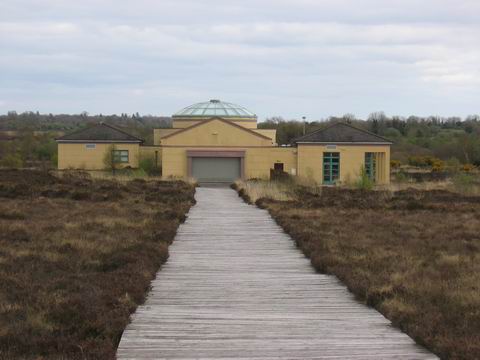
x=216, y=169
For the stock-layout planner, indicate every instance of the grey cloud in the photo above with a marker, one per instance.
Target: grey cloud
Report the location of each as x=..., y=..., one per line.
x=317, y=58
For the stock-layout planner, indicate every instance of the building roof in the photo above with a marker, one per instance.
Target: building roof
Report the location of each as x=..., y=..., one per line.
x=100, y=133
x=215, y=108
x=342, y=133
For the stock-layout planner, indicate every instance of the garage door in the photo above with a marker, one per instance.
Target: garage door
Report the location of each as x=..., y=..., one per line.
x=213, y=169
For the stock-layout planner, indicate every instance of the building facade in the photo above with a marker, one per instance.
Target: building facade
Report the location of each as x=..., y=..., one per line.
x=217, y=141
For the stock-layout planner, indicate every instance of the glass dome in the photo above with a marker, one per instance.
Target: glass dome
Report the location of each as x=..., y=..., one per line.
x=215, y=108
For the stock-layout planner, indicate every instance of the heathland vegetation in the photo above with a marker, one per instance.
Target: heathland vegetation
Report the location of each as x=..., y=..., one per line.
x=412, y=254
x=77, y=255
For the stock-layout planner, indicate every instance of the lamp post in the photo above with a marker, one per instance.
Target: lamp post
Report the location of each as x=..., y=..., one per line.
x=304, y=118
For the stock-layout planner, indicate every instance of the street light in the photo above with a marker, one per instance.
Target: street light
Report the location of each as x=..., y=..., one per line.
x=304, y=118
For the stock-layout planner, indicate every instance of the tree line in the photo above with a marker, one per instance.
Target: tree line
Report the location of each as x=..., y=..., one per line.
x=449, y=139
x=443, y=138
x=28, y=138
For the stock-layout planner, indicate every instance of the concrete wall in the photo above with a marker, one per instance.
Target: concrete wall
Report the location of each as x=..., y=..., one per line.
x=216, y=133
x=174, y=162
x=159, y=133
x=270, y=133
x=78, y=156
x=352, y=158
x=258, y=161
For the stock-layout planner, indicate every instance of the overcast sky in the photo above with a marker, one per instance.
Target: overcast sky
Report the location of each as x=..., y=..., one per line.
x=289, y=58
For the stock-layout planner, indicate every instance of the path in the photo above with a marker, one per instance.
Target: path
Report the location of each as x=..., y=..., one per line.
x=236, y=287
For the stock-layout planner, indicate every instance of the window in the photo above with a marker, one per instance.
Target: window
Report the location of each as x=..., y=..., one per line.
x=371, y=165
x=331, y=167
x=120, y=156
x=90, y=146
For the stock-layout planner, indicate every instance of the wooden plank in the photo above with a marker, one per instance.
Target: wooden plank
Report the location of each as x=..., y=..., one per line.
x=236, y=287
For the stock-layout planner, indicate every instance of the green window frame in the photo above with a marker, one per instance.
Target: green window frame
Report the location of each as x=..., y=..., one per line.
x=371, y=165
x=120, y=156
x=331, y=167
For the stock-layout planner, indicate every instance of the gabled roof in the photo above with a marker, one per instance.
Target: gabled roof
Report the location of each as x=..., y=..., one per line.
x=220, y=119
x=100, y=133
x=341, y=133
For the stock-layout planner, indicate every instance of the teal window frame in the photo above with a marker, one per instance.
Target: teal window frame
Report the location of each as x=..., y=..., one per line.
x=371, y=165
x=331, y=167
x=120, y=156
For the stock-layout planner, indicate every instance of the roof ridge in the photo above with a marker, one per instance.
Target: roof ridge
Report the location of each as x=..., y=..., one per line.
x=337, y=123
x=366, y=131
x=315, y=131
x=118, y=129
x=77, y=131
x=97, y=125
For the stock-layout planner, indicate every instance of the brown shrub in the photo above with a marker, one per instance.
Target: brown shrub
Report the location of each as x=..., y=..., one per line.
x=414, y=255
x=73, y=270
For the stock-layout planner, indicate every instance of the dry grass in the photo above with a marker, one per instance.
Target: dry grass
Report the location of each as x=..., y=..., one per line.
x=425, y=186
x=76, y=257
x=414, y=255
x=124, y=176
x=449, y=185
x=264, y=189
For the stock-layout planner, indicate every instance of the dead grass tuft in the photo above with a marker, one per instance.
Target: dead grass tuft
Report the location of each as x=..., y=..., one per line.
x=255, y=190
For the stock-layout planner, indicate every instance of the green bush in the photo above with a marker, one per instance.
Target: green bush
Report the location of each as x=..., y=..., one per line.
x=12, y=161
x=401, y=176
x=453, y=165
x=147, y=164
x=465, y=183
x=364, y=182
x=138, y=173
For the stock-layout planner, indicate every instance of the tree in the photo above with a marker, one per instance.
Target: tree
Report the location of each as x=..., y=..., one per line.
x=110, y=161
x=377, y=119
x=349, y=118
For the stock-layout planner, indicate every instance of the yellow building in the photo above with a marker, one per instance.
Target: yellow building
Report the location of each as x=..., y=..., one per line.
x=217, y=141
x=87, y=148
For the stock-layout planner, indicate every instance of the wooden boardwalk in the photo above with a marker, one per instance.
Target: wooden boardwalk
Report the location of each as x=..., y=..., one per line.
x=236, y=287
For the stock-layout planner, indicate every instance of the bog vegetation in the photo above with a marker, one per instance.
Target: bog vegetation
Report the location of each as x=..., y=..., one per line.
x=412, y=254
x=76, y=258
